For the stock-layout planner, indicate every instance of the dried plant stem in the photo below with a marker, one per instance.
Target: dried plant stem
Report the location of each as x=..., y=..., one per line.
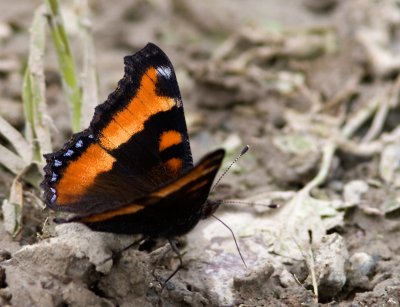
x=378, y=122
x=311, y=264
x=328, y=154
x=355, y=122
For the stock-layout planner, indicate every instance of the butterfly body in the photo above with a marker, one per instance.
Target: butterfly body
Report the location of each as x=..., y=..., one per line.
x=132, y=171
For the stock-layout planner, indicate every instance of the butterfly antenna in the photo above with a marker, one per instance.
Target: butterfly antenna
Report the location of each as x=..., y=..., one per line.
x=243, y=202
x=234, y=238
x=243, y=151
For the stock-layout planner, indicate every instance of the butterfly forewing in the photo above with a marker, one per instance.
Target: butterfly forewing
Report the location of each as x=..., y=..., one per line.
x=136, y=142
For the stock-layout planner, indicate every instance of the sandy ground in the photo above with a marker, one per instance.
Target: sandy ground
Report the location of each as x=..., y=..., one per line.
x=312, y=86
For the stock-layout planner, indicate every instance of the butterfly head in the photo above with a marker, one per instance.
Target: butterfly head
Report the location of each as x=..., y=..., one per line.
x=210, y=207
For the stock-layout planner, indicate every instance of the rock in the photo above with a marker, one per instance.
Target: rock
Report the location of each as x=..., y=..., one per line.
x=253, y=283
x=62, y=270
x=386, y=293
x=128, y=281
x=287, y=279
x=363, y=263
x=330, y=260
x=362, y=266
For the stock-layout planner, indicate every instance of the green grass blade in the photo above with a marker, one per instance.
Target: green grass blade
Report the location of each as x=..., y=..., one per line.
x=66, y=62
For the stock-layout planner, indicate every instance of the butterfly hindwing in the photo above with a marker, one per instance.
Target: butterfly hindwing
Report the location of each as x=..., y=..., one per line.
x=172, y=210
x=136, y=142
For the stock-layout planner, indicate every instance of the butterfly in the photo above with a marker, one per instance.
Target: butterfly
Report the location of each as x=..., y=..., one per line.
x=131, y=171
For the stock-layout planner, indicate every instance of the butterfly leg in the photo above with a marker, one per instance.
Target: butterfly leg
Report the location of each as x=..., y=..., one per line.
x=158, y=261
x=118, y=254
x=175, y=249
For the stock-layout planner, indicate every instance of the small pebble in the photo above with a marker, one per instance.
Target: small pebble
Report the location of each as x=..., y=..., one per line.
x=363, y=263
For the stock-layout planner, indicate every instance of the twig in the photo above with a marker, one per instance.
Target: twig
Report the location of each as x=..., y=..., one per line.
x=379, y=119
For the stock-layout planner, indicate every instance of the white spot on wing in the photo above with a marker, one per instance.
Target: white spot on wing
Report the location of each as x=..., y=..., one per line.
x=57, y=163
x=79, y=144
x=54, y=196
x=164, y=71
x=53, y=177
x=69, y=153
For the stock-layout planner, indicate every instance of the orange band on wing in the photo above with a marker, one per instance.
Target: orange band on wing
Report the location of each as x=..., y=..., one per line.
x=80, y=174
x=110, y=214
x=131, y=119
x=174, y=164
x=198, y=186
x=168, y=139
x=199, y=171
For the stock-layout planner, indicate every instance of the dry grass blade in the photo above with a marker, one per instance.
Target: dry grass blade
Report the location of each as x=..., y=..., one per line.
x=17, y=141
x=379, y=119
x=33, y=93
x=355, y=122
x=12, y=208
x=11, y=161
x=390, y=100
